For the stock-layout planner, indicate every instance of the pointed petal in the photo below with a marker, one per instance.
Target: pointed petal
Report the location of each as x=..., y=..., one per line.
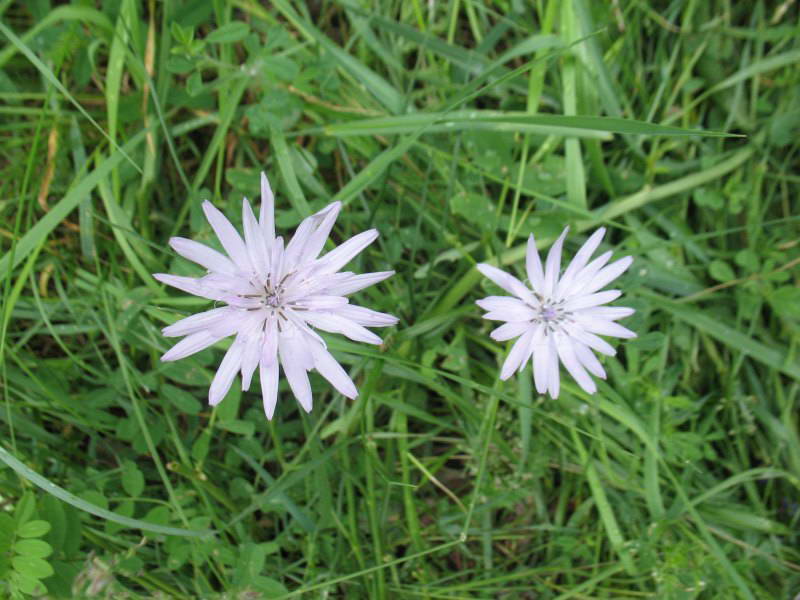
x=269, y=350
x=354, y=283
x=254, y=240
x=584, y=276
x=316, y=241
x=202, y=255
x=553, y=265
x=533, y=265
x=366, y=316
x=295, y=249
x=590, y=339
x=519, y=354
x=330, y=369
x=293, y=357
x=579, y=261
x=269, y=386
x=338, y=324
x=507, y=281
x=541, y=360
x=228, y=236
x=607, y=274
x=553, y=376
x=230, y=365
x=603, y=327
x=511, y=330
x=610, y=313
x=251, y=356
x=343, y=254
x=267, y=213
x=588, y=359
x=197, y=322
x=591, y=300
x=189, y=345
x=567, y=355
x=505, y=308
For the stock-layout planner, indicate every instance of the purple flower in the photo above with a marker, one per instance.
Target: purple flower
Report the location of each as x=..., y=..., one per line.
x=275, y=296
x=558, y=318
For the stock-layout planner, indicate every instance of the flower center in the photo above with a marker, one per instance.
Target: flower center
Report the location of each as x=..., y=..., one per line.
x=272, y=300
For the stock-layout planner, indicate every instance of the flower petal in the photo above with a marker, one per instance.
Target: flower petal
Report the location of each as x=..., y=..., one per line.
x=189, y=345
x=507, y=281
x=585, y=275
x=588, y=359
x=505, y=308
x=338, y=324
x=511, y=330
x=354, y=283
x=579, y=261
x=366, y=316
x=268, y=372
x=330, y=369
x=603, y=327
x=533, y=265
x=228, y=236
x=518, y=355
x=541, y=364
x=316, y=241
x=553, y=265
x=343, y=254
x=566, y=353
x=251, y=357
x=590, y=300
x=611, y=313
x=607, y=275
x=294, y=355
x=197, y=322
x=254, y=240
x=202, y=255
x=230, y=365
x=553, y=376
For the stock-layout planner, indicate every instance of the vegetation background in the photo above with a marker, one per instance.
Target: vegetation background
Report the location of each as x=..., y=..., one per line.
x=442, y=124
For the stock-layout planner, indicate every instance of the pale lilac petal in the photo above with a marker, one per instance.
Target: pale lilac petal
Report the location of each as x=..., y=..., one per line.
x=338, y=324
x=533, y=265
x=518, y=355
x=343, y=254
x=316, y=241
x=330, y=369
x=610, y=313
x=202, y=255
x=588, y=359
x=504, y=308
x=590, y=300
x=189, y=345
x=605, y=327
x=268, y=373
x=566, y=353
x=228, y=368
x=296, y=246
x=541, y=363
x=590, y=339
x=509, y=331
x=294, y=357
x=254, y=240
x=354, y=283
x=192, y=286
x=579, y=261
x=506, y=281
x=585, y=275
x=269, y=351
x=228, y=236
x=553, y=265
x=251, y=357
x=553, y=377
x=320, y=302
x=366, y=316
x=607, y=275
x=197, y=322
x=267, y=214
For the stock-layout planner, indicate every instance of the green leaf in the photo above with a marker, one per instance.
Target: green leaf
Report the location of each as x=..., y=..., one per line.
x=132, y=479
x=29, y=585
x=32, y=566
x=25, y=507
x=721, y=271
x=33, y=529
x=35, y=548
x=229, y=33
x=181, y=399
x=786, y=301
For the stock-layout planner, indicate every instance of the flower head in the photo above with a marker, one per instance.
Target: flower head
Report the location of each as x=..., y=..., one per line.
x=274, y=296
x=557, y=318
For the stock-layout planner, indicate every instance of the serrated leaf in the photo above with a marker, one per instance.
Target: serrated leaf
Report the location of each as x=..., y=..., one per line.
x=229, y=33
x=35, y=548
x=31, y=566
x=33, y=529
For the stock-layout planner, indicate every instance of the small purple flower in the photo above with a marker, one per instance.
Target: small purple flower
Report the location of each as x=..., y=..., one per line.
x=557, y=318
x=275, y=295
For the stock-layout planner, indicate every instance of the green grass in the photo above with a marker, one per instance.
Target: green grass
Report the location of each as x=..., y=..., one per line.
x=456, y=128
